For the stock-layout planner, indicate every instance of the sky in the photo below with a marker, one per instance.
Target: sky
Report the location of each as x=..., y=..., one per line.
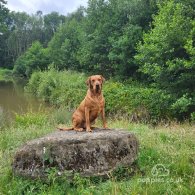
x=46, y=6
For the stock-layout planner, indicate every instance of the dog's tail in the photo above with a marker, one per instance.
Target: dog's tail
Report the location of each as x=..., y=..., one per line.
x=65, y=129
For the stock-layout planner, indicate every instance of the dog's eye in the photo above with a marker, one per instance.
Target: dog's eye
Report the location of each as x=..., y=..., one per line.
x=93, y=80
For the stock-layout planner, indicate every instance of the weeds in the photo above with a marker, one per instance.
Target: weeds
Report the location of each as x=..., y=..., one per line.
x=172, y=147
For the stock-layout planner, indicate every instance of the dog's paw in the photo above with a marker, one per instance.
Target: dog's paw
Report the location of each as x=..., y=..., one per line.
x=88, y=130
x=107, y=128
x=79, y=129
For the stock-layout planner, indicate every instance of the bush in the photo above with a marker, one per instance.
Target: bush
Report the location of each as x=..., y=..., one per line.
x=141, y=103
x=181, y=105
x=58, y=88
x=34, y=82
x=67, y=88
x=5, y=74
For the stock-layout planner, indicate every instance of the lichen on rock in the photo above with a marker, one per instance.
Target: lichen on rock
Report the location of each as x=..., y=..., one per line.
x=90, y=154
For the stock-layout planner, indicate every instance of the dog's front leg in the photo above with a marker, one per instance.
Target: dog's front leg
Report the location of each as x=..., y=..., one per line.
x=88, y=127
x=104, y=118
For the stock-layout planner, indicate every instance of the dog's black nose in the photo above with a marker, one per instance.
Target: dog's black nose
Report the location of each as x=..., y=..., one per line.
x=97, y=85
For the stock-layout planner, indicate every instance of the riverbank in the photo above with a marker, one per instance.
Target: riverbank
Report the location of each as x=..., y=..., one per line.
x=171, y=147
x=138, y=102
x=14, y=101
x=5, y=74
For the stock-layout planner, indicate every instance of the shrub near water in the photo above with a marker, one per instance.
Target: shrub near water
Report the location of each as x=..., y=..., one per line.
x=5, y=74
x=68, y=89
x=59, y=88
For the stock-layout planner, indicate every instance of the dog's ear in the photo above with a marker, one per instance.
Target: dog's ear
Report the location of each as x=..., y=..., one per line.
x=88, y=81
x=103, y=79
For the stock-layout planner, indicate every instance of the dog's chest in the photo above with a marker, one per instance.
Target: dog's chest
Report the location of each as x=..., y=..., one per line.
x=96, y=105
x=95, y=110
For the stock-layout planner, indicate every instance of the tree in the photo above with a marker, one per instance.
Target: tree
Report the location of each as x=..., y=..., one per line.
x=24, y=29
x=167, y=54
x=121, y=54
x=3, y=16
x=19, y=38
x=100, y=38
x=111, y=30
x=65, y=43
x=51, y=23
x=35, y=58
x=4, y=19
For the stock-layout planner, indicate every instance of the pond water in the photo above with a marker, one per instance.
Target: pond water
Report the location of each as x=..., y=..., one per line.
x=14, y=100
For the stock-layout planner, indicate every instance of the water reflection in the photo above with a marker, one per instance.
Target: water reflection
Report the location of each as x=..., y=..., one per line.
x=14, y=100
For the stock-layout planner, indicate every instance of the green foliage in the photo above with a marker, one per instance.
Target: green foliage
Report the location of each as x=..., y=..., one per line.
x=59, y=88
x=102, y=39
x=141, y=103
x=182, y=104
x=2, y=118
x=3, y=15
x=34, y=82
x=5, y=74
x=46, y=85
x=115, y=38
x=64, y=45
x=124, y=173
x=167, y=54
x=68, y=89
x=4, y=18
x=163, y=51
x=192, y=117
x=61, y=116
x=52, y=21
x=108, y=44
x=84, y=43
x=29, y=119
x=22, y=30
x=35, y=58
x=123, y=49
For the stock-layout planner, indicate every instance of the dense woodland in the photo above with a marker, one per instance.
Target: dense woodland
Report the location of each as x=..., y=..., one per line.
x=148, y=41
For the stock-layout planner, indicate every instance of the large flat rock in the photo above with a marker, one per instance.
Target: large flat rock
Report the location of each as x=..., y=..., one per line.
x=90, y=154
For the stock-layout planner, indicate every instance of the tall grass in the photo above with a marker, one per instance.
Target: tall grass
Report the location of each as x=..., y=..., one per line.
x=172, y=147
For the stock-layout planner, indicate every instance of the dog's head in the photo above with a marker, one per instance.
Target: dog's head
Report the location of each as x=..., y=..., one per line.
x=95, y=82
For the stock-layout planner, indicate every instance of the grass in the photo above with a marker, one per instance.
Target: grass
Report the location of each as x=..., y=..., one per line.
x=171, y=147
x=5, y=74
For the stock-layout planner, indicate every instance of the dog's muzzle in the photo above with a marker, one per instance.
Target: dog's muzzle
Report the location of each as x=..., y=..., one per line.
x=97, y=88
